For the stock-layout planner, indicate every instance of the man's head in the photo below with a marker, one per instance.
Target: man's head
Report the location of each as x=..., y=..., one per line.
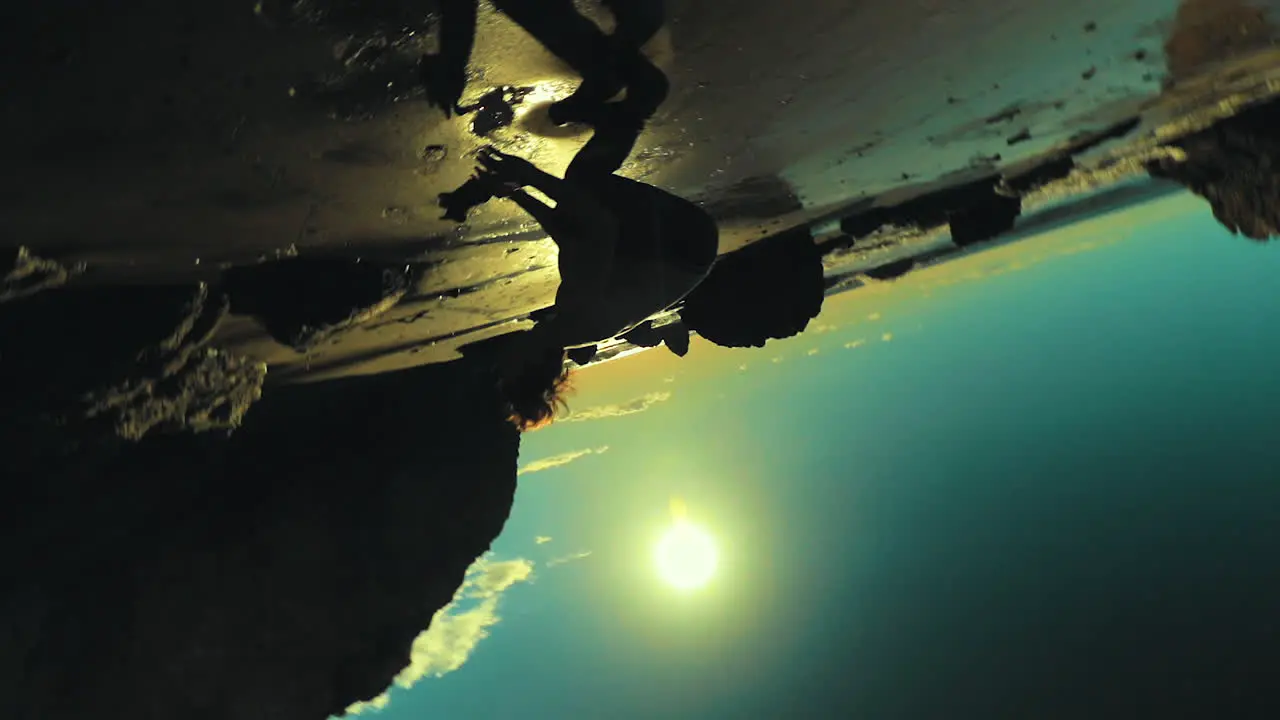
x=533, y=385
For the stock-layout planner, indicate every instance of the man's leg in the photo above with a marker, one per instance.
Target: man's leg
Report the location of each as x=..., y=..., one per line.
x=637, y=21
x=604, y=153
x=617, y=128
x=577, y=218
x=562, y=30
x=574, y=199
x=606, y=64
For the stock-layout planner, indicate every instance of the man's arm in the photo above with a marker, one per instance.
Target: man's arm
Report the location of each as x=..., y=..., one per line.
x=574, y=201
x=538, y=210
x=587, y=247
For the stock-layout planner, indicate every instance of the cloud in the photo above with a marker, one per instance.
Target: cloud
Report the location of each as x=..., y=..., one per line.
x=377, y=703
x=855, y=344
x=812, y=352
x=631, y=407
x=493, y=578
x=541, y=540
x=457, y=628
x=873, y=316
x=822, y=329
x=568, y=558
x=556, y=461
x=887, y=337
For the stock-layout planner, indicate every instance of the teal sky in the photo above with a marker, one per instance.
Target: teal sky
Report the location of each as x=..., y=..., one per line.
x=1021, y=484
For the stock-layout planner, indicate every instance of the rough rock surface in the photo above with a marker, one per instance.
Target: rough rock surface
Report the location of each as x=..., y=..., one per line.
x=100, y=365
x=975, y=211
x=282, y=572
x=303, y=301
x=26, y=274
x=1235, y=165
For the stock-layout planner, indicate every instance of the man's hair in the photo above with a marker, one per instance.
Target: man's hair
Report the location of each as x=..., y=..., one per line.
x=769, y=289
x=535, y=393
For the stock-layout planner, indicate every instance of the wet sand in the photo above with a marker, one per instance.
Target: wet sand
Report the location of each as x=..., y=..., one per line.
x=308, y=139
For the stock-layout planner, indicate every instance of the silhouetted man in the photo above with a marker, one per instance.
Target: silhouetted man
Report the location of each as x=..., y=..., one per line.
x=627, y=250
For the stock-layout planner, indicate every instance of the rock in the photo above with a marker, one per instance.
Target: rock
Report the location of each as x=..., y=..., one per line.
x=975, y=211
x=303, y=301
x=1235, y=165
x=985, y=220
x=282, y=572
x=891, y=270
x=26, y=274
x=104, y=364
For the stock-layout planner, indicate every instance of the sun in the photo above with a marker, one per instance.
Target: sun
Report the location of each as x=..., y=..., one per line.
x=686, y=556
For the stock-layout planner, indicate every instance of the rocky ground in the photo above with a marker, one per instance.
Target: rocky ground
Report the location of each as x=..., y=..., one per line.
x=151, y=142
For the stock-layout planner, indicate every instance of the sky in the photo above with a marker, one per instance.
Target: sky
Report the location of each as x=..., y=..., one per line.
x=1037, y=481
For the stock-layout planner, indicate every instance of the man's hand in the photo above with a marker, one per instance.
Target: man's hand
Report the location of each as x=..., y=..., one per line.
x=508, y=170
x=444, y=83
x=495, y=185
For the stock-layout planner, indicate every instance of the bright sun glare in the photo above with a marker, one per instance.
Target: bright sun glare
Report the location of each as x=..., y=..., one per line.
x=686, y=556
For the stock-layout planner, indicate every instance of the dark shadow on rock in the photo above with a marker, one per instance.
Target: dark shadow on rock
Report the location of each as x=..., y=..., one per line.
x=1235, y=165
x=105, y=364
x=975, y=211
x=302, y=301
x=892, y=270
x=1089, y=139
x=979, y=210
x=767, y=290
x=285, y=569
x=761, y=197
x=1048, y=172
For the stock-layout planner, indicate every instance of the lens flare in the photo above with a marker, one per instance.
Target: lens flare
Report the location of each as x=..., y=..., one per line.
x=686, y=555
